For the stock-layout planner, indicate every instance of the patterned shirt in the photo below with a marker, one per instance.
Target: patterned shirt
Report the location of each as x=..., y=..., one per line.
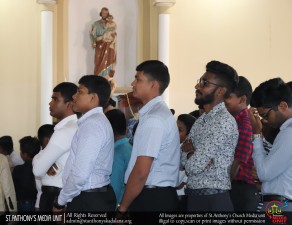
x=244, y=148
x=214, y=136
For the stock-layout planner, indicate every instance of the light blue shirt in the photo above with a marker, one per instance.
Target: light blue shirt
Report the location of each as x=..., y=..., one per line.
x=157, y=136
x=89, y=164
x=122, y=156
x=275, y=169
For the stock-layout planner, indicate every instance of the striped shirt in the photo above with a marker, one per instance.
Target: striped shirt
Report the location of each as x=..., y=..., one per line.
x=89, y=164
x=244, y=148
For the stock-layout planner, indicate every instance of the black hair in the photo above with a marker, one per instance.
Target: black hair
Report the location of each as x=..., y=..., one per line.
x=195, y=113
x=118, y=121
x=289, y=84
x=30, y=145
x=156, y=70
x=7, y=144
x=270, y=93
x=226, y=74
x=243, y=88
x=67, y=90
x=45, y=131
x=111, y=102
x=188, y=120
x=99, y=85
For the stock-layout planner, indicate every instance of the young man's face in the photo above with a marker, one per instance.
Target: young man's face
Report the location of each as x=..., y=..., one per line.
x=142, y=87
x=58, y=106
x=82, y=100
x=182, y=129
x=233, y=104
x=271, y=116
x=205, y=90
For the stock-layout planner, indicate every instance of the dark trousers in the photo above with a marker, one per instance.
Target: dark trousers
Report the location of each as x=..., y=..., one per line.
x=160, y=199
x=244, y=196
x=182, y=203
x=96, y=201
x=26, y=206
x=49, y=194
x=210, y=203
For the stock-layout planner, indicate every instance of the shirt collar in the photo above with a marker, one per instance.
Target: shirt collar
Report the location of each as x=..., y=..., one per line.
x=95, y=110
x=286, y=124
x=149, y=105
x=214, y=111
x=242, y=113
x=65, y=120
x=121, y=141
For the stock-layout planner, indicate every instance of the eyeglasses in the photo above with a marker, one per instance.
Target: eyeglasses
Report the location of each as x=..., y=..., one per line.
x=202, y=82
x=265, y=116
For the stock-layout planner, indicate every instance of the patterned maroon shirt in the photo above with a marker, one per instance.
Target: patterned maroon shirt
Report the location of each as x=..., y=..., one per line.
x=244, y=148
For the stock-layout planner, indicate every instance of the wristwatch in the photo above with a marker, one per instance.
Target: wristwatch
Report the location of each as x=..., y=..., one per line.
x=121, y=213
x=254, y=136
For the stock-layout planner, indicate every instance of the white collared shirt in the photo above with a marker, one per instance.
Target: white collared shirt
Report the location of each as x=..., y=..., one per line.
x=57, y=151
x=275, y=169
x=91, y=156
x=157, y=136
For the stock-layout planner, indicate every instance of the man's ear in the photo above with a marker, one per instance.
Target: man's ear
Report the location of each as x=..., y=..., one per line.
x=283, y=106
x=95, y=99
x=221, y=91
x=242, y=99
x=156, y=85
x=69, y=105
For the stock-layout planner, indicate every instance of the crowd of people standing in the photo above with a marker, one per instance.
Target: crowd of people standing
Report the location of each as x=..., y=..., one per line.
x=218, y=159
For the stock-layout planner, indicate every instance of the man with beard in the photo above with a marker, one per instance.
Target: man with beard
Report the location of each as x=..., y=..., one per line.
x=212, y=139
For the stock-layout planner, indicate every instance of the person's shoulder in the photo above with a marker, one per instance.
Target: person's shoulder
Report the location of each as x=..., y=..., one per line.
x=3, y=161
x=3, y=157
x=225, y=119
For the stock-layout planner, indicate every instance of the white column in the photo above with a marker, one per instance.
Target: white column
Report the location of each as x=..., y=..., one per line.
x=46, y=65
x=163, y=35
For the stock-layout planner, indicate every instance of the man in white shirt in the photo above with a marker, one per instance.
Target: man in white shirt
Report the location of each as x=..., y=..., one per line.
x=152, y=173
x=272, y=101
x=87, y=172
x=55, y=154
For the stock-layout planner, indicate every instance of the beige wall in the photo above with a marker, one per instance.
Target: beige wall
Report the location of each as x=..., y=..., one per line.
x=19, y=68
x=255, y=37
